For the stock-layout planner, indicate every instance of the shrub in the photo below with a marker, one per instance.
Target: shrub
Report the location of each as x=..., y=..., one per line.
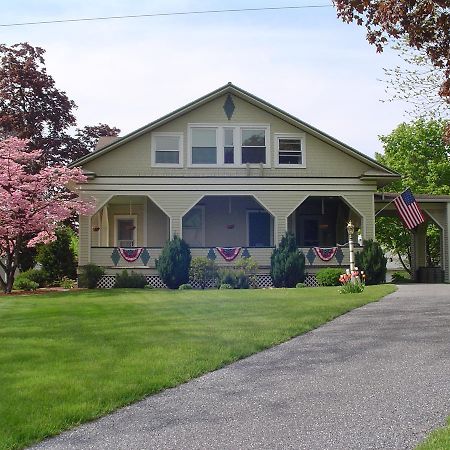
x=226, y=286
x=329, y=276
x=90, y=275
x=300, y=285
x=67, y=283
x=125, y=280
x=25, y=284
x=372, y=260
x=401, y=277
x=148, y=286
x=38, y=276
x=202, y=270
x=287, y=265
x=185, y=287
x=173, y=264
x=250, y=267
x=57, y=257
x=228, y=276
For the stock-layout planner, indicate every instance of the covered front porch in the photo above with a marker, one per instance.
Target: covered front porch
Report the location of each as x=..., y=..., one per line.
x=129, y=231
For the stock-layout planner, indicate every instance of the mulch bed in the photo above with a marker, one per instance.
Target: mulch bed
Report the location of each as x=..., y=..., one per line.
x=40, y=291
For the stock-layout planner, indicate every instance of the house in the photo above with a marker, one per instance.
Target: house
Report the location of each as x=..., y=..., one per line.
x=230, y=173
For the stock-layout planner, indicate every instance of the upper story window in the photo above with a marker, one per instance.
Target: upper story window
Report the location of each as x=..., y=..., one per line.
x=290, y=150
x=167, y=149
x=225, y=145
x=253, y=145
x=204, y=146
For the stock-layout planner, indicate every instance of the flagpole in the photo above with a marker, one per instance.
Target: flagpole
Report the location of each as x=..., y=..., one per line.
x=392, y=201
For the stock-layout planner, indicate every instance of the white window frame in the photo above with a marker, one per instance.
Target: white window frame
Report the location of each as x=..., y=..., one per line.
x=180, y=148
x=118, y=217
x=299, y=136
x=237, y=140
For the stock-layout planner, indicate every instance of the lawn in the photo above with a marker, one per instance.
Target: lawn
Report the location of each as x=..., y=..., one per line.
x=437, y=440
x=67, y=358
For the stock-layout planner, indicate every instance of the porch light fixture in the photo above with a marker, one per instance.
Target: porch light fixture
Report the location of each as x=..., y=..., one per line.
x=95, y=228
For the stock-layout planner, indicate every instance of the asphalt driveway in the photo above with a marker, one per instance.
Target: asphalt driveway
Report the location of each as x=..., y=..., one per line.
x=375, y=378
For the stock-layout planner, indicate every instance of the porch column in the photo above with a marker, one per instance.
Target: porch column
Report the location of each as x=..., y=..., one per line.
x=281, y=226
x=175, y=226
x=84, y=245
x=446, y=245
x=418, y=249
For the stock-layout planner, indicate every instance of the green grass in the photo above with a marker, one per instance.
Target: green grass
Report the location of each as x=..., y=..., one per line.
x=70, y=357
x=437, y=440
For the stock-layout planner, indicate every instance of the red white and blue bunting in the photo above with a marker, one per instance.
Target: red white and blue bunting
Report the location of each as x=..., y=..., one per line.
x=229, y=253
x=325, y=254
x=130, y=254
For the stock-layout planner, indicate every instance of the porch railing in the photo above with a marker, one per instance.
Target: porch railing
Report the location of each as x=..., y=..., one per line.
x=111, y=257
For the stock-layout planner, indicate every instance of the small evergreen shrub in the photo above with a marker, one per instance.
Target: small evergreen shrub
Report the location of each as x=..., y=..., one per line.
x=38, y=276
x=90, y=275
x=202, y=271
x=25, y=284
x=300, y=285
x=226, y=286
x=329, y=276
x=287, y=264
x=133, y=280
x=174, y=262
x=58, y=258
x=373, y=262
x=185, y=287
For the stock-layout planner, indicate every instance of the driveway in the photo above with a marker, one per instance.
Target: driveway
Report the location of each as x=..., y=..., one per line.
x=375, y=378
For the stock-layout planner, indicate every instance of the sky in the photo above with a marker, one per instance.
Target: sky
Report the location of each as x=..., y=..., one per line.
x=127, y=73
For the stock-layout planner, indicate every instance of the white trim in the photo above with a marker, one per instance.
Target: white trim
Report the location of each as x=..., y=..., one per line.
x=276, y=146
x=145, y=230
x=117, y=217
x=237, y=141
x=180, y=148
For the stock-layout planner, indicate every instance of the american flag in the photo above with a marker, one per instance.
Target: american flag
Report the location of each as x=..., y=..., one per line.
x=409, y=210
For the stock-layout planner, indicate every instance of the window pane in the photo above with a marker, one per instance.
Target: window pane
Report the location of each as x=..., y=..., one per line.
x=204, y=155
x=253, y=155
x=162, y=157
x=203, y=137
x=229, y=155
x=193, y=219
x=290, y=144
x=228, y=135
x=290, y=158
x=167, y=142
x=253, y=137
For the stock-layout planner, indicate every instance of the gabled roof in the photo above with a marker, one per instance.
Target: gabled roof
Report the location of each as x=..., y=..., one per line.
x=380, y=170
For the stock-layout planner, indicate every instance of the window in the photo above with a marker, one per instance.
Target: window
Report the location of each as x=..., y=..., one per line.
x=125, y=231
x=290, y=150
x=166, y=149
x=228, y=149
x=204, y=146
x=253, y=145
x=225, y=145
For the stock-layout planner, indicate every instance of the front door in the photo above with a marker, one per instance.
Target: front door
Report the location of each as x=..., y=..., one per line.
x=258, y=229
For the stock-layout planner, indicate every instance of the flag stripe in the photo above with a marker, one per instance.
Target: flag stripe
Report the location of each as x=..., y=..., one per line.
x=409, y=209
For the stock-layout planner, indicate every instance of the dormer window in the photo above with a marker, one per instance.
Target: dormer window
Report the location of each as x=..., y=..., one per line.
x=253, y=145
x=204, y=146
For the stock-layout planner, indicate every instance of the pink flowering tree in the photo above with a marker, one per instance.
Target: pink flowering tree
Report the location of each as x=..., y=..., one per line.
x=33, y=201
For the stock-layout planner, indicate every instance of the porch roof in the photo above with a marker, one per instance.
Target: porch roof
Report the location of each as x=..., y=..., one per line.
x=386, y=197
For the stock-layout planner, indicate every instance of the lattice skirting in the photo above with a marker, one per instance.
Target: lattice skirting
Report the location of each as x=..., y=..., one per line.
x=263, y=281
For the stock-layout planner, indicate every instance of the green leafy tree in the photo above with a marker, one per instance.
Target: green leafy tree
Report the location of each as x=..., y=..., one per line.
x=57, y=258
x=287, y=265
x=372, y=261
x=418, y=152
x=203, y=270
x=174, y=262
